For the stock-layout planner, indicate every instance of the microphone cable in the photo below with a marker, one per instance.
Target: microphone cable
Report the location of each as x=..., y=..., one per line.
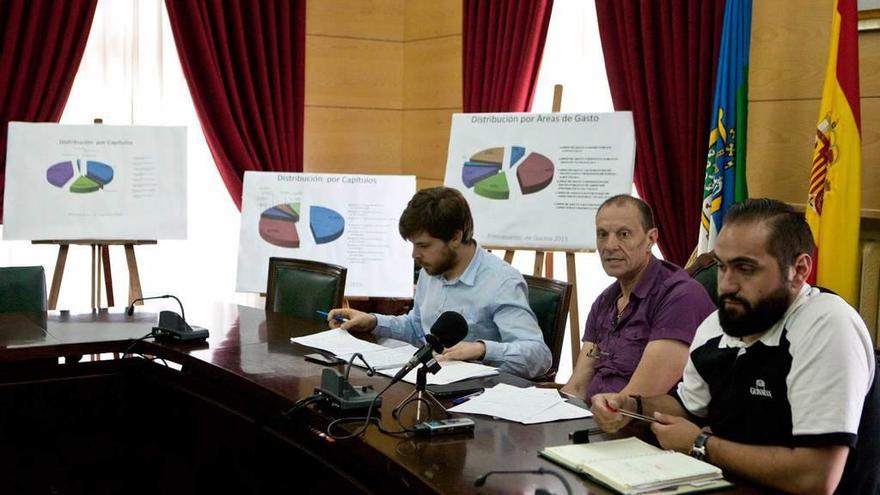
x=481, y=480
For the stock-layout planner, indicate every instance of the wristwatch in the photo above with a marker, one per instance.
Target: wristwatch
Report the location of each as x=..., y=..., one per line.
x=698, y=449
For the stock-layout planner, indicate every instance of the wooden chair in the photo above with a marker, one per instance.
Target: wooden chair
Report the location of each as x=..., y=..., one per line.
x=549, y=300
x=302, y=287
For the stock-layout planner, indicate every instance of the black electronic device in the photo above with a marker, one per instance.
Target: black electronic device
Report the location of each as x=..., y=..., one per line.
x=344, y=396
x=444, y=426
x=455, y=389
x=324, y=359
x=172, y=326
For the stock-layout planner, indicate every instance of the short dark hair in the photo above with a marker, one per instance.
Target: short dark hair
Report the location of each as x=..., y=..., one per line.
x=645, y=211
x=789, y=236
x=439, y=211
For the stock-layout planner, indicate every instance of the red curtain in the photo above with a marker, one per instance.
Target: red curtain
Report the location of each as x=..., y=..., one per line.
x=660, y=57
x=244, y=65
x=41, y=45
x=503, y=42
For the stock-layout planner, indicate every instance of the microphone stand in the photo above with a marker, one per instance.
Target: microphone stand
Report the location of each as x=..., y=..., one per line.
x=421, y=395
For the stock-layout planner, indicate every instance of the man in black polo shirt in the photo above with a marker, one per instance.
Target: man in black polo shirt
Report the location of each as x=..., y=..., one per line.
x=777, y=377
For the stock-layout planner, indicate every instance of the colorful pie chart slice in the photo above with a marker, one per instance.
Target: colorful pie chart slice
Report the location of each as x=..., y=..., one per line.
x=59, y=174
x=494, y=187
x=326, y=225
x=99, y=172
x=278, y=225
x=535, y=173
x=83, y=184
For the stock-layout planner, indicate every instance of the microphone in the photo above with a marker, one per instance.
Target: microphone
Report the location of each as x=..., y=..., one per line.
x=480, y=481
x=449, y=329
x=129, y=310
x=172, y=326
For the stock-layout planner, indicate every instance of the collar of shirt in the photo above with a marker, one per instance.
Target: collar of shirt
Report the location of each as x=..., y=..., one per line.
x=643, y=286
x=469, y=275
x=772, y=335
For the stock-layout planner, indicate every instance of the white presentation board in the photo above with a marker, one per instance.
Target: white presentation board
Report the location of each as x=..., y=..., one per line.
x=100, y=182
x=348, y=220
x=535, y=180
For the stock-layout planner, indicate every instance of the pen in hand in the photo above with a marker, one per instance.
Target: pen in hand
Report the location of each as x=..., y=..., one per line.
x=338, y=318
x=631, y=414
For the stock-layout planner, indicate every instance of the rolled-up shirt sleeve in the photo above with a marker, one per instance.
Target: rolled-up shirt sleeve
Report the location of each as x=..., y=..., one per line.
x=521, y=349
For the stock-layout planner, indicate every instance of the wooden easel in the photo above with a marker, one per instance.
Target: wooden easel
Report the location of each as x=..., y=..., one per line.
x=100, y=259
x=571, y=271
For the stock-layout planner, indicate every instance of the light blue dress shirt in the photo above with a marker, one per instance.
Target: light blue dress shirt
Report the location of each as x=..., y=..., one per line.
x=493, y=298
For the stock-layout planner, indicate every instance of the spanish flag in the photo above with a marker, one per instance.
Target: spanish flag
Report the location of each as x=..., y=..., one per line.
x=834, y=197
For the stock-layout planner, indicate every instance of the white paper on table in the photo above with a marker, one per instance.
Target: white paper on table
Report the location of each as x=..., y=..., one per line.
x=337, y=341
x=386, y=357
x=451, y=372
x=524, y=405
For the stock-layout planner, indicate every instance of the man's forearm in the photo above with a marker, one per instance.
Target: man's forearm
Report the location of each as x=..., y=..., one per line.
x=795, y=470
x=665, y=404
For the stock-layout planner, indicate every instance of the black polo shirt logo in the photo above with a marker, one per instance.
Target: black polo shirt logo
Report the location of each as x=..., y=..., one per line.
x=760, y=390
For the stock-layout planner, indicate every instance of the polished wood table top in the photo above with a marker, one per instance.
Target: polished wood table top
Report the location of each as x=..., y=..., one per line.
x=249, y=351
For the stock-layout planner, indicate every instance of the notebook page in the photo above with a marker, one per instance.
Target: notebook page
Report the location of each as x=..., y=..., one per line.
x=657, y=471
x=589, y=453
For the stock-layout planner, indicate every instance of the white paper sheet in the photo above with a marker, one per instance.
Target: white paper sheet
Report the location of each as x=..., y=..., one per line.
x=337, y=341
x=524, y=405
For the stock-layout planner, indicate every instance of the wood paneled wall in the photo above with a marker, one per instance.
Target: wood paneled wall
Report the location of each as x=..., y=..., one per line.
x=383, y=78
x=789, y=52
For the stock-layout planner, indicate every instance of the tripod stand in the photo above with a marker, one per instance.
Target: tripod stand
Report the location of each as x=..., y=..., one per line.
x=422, y=396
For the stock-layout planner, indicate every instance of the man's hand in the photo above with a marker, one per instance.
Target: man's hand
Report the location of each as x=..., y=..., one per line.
x=358, y=321
x=674, y=432
x=463, y=351
x=605, y=413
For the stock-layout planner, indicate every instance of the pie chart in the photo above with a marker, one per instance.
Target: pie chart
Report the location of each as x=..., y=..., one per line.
x=278, y=225
x=83, y=179
x=486, y=174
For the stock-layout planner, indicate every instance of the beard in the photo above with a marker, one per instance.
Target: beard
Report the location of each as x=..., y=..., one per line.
x=752, y=319
x=444, y=264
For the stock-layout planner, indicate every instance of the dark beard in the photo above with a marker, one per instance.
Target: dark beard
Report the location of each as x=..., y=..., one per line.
x=443, y=265
x=753, y=320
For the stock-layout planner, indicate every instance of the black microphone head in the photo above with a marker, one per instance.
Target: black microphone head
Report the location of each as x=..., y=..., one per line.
x=129, y=310
x=480, y=481
x=450, y=328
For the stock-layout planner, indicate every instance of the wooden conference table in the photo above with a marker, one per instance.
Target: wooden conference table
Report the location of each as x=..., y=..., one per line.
x=213, y=422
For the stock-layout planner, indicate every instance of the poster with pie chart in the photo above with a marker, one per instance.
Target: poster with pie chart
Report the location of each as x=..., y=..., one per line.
x=103, y=182
x=534, y=181
x=348, y=220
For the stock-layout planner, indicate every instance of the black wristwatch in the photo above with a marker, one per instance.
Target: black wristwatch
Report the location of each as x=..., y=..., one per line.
x=698, y=449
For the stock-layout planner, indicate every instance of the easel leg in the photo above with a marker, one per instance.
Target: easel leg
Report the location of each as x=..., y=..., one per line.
x=108, y=278
x=134, y=278
x=574, y=324
x=93, y=272
x=508, y=256
x=537, y=270
x=57, y=275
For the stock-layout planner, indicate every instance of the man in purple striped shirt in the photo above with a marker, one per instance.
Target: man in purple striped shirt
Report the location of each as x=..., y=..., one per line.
x=639, y=329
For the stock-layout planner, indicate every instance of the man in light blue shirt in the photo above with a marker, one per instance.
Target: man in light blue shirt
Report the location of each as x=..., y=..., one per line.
x=458, y=275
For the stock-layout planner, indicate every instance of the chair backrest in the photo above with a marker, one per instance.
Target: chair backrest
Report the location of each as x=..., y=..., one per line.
x=22, y=289
x=549, y=300
x=705, y=271
x=302, y=287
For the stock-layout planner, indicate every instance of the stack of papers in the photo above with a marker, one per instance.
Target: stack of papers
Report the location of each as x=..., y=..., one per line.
x=524, y=405
x=388, y=360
